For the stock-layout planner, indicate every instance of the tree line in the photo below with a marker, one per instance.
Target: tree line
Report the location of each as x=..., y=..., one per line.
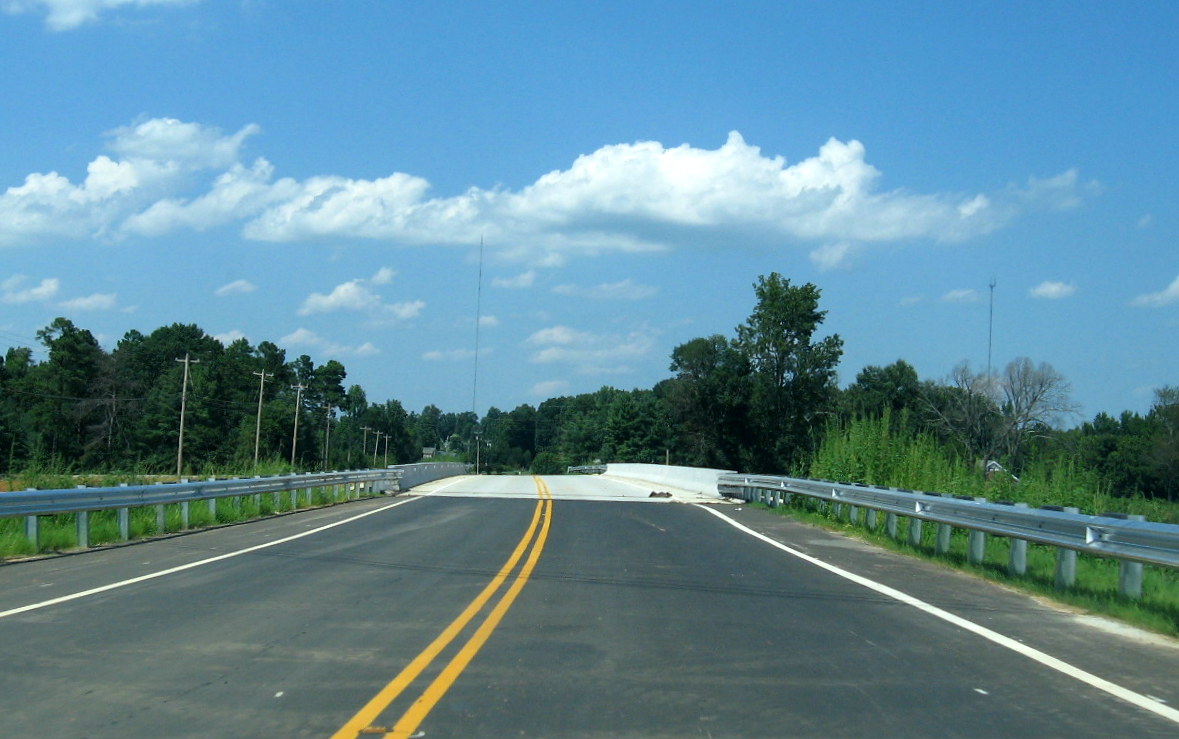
x=761, y=400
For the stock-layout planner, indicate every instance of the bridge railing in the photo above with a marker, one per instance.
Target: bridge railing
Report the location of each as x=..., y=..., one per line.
x=81, y=501
x=1127, y=538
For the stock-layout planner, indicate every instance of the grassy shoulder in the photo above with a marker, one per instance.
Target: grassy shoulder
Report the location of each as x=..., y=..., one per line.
x=1096, y=589
x=58, y=533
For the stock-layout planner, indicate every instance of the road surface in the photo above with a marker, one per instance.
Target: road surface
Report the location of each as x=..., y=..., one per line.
x=550, y=607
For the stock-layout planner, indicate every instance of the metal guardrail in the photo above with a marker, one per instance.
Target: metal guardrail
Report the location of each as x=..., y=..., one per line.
x=588, y=469
x=49, y=502
x=1126, y=538
x=32, y=504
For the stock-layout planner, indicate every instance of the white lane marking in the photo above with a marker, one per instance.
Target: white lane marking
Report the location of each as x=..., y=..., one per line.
x=191, y=565
x=1031, y=653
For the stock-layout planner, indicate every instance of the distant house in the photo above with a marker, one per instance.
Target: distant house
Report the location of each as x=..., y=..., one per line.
x=428, y=452
x=993, y=468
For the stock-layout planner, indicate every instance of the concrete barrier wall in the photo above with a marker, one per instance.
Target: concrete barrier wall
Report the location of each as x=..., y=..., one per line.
x=695, y=479
x=419, y=474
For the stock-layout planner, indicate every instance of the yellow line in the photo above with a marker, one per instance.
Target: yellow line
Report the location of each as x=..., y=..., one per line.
x=371, y=710
x=423, y=705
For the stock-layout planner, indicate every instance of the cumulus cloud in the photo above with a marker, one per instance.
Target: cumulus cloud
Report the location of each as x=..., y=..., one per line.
x=627, y=289
x=13, y=290
x=166, y=175
x=450, y=355
x=522, y=280
x=404, y=311
x=351, y=295
x=961, y=296
x=358, y=295
x=229, y=337
x=97, y=301
x=549, y=388
x=237, y=287
x=383, y=276
x=1166, y=296
x=65, y=15
x=303, y=337
x=832, y=256
x=590, y=353
x=1051, y=290
x=137, y=192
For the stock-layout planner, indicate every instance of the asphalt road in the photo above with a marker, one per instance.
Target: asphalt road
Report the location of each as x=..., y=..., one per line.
x=568, y=607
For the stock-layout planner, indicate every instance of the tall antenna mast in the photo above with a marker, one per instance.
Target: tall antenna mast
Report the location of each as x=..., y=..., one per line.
x=990, y=325
x=478, y=317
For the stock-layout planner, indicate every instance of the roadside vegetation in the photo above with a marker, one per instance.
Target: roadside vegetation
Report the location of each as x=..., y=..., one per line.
x=764, y=400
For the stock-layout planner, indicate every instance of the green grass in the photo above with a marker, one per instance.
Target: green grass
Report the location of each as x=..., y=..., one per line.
x=868, y=451
x=58, y=533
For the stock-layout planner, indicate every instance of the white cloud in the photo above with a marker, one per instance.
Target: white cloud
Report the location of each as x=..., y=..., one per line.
x=638, y=196
x=961, y=296
x=12, y=290
x=141, y=191
x=97, y=301
x=404, y=311
x=357, y=295
x=237, y=287
x=561, y=335
x=65, y=15
x=590, y=353
x=625, y=290
x=912, y=300
x=449, y=355
x=832, y=256
x=352, y=295
x=488, y=321
x=549, y=388
x=1146, y=221
x=383, y=276
x=1166, y=296
x=522, y=280
x=229, y=337
x=306, y=338
x=1051, y=290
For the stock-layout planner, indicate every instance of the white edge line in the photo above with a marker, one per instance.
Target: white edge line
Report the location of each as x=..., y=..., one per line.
x=1031, y=653
x=190, y=565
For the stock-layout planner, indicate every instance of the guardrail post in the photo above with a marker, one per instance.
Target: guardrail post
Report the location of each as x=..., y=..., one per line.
x=161, y=517
x=82, y=527
x=942, y=544
x=1130, y=573
x=853, y=514
x=33, y=529
x=890, y=525
x=1066, y=559
x=1017, y=561
x=870, y=519
x=213, y=505
x=123, y=515
x=914, y=532
x=976, y=542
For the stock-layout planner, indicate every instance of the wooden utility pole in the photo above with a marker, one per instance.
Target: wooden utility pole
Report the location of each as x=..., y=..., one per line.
x=258, y=424
x=183, y=407
x=327, y=436
x=295, y=436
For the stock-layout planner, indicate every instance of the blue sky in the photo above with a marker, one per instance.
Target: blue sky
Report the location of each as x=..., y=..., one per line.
x=320, y=175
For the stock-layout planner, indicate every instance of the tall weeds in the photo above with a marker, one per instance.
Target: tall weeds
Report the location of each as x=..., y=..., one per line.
x=873, y=452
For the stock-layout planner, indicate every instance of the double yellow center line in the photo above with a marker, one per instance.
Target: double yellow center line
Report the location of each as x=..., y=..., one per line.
x=532, y=543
